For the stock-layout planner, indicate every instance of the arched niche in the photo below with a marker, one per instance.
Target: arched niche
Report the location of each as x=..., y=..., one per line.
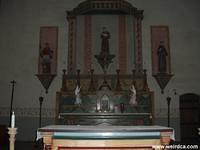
x=85, y=23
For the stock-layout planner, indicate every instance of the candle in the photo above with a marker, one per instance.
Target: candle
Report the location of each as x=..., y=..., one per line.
x=13, y=120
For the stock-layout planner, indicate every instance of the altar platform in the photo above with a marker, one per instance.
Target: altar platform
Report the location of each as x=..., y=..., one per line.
x=66, y=137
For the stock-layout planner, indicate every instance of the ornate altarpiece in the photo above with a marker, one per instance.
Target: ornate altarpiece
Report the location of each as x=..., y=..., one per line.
x=106, y=94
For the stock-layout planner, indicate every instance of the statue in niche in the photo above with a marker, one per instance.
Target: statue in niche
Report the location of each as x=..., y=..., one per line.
x=132, y=100
x=162, y=60
x=46, y=55
x=78, y=97
x=105, y=36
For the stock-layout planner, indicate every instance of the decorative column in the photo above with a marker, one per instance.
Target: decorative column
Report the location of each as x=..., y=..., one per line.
x=71, y=17
x=12, y=133
x=87, y=43
x=138, y=39
x=122, y=44
x=92, y=86
x=118, y=85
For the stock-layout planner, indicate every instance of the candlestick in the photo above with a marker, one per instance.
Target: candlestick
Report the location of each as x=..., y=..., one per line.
x=40, y=101
x=118, y=85
x=92, y=86
x=12, y=133
x=168, y=110
x=145, y=88
x=13, y=120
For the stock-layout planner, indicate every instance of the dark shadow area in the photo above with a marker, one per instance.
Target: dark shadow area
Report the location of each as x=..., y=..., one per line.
x=19, y=145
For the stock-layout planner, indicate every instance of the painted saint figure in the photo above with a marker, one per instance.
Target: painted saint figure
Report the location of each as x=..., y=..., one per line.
x=162, y=60
x=132, y=100
x=46, y=55
x=105, y=36
x=78, y=96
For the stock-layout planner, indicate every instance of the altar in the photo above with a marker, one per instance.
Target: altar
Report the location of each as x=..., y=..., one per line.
x=76, y=137
x=105, y=101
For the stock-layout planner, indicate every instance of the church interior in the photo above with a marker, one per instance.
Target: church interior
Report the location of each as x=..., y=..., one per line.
x=106, y=65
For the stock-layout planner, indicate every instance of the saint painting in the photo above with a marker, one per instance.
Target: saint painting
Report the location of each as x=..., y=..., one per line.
x=46, y=55
x=47, y=62
x=48, y=50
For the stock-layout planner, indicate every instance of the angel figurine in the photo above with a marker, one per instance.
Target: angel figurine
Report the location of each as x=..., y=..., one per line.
x=132, y=100
x=78, y=97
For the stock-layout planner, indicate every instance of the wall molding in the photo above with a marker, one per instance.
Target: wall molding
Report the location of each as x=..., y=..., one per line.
x=51, y=112
x=28, y=112
x=162, y=113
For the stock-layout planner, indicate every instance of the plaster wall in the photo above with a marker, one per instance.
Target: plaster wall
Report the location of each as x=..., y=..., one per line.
x=19, y=43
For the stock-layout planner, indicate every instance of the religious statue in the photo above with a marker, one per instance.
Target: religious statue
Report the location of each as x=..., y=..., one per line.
x=132, y=100
x=105, y=58
x=78, y=97
x=162, y=60
x=46, y=55
x=105, y=36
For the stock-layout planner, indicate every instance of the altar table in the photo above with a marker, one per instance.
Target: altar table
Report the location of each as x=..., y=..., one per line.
x=66, y=137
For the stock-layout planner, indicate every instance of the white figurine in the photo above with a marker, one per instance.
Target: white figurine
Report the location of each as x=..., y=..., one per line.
x=133, y=96
x=78, y=97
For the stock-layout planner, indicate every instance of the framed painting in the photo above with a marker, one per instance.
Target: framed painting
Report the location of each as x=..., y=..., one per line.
x=48, y=50
x=47, y=62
